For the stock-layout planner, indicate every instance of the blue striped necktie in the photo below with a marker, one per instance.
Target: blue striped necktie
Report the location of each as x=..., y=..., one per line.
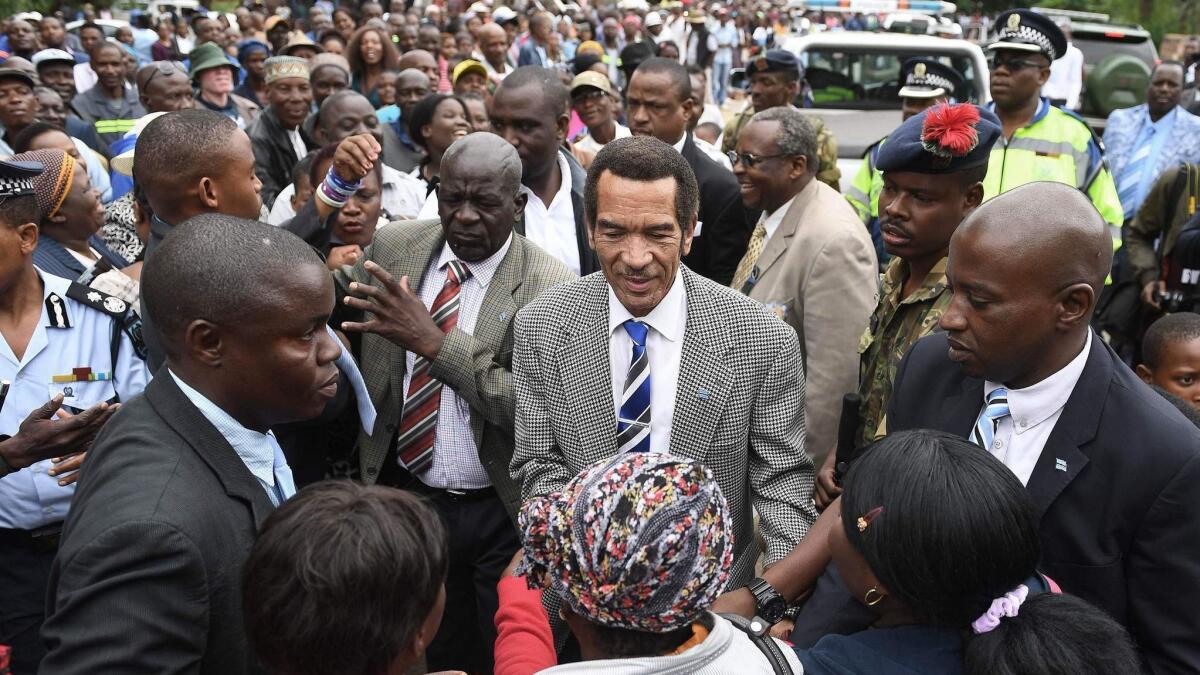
x=994, y=410
x=633, y=422
x=1131, y=176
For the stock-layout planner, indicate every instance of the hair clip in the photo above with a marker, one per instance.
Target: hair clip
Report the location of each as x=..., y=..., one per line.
x=865, y=520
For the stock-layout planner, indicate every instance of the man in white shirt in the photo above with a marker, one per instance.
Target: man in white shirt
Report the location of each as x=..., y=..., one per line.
x=529, y=110
x=593, y=99
x=437, y=354
x=651, y=357
x=1066, y=74
x=726, y=35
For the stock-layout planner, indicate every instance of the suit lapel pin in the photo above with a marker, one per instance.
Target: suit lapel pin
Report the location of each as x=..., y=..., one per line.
x=1060, y=464
x=504, y=316
x=702, y=394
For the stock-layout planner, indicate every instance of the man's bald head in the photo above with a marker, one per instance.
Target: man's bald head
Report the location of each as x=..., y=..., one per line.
x=1052, y=229
x=412, y=77
x=490, y=30
x=490, y=150
x=1026, y=269
x=421, y=60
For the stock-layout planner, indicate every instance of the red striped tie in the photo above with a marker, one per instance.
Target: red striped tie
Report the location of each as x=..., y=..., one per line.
x=418, y=422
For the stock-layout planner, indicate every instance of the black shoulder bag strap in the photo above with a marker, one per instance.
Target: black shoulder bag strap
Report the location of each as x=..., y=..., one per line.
x=765, y=644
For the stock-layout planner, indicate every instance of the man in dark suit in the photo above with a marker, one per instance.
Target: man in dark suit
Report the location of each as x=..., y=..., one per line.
x=531, y=111
x=1111, y=466
x=467, y=358
x=147, y=578
x=659, y=104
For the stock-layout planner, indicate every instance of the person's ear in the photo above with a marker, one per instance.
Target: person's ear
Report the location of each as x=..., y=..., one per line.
x=319, y=135
x=972, y=198
x=685, y=246
x=519, y=203
x=208, y=193
x=1145, y=373
x=1075, y=305
x=202, y=342
x=562, y=125
x=1043, y=74
x=793, y=90
x=28, y=233
x=144, y=100
x=689, y=108
x=799, y=167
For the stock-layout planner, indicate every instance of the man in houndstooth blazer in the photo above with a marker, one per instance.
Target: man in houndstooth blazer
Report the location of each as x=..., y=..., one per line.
x=739, y=394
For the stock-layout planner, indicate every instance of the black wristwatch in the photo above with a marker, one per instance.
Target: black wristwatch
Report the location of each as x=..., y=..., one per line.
x=771, y=605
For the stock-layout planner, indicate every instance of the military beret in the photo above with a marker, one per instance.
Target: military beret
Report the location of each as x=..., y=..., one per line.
x=928, y=78
x=942, y=139
x=1028, y=31
x=775, y=61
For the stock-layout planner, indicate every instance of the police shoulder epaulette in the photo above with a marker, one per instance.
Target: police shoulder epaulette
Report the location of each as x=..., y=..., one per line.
x=101, y=302
x=122, y=314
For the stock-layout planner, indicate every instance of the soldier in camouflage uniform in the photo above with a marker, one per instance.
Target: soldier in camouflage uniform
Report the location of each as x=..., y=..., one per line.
x=927, y=82
x=774, y=81
x=931, y=182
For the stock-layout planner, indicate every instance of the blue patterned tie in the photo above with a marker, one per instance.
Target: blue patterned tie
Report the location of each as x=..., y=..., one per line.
x=1131, y=176
x=985, y=427
x=633, y=423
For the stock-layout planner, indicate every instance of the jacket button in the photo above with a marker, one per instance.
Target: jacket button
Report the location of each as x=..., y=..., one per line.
x=372, y=471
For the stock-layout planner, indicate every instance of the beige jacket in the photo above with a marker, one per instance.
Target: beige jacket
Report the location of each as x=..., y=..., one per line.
x=818, y=273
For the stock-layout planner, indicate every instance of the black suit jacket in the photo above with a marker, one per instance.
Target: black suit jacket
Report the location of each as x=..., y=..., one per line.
x=274, y=155
x=726, y=225
x=148, y=573
x=588, y=262
x=1120, y=526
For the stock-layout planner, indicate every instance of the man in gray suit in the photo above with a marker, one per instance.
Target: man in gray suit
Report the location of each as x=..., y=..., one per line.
x=649, y=356
x=437, y=359
x=147, y=577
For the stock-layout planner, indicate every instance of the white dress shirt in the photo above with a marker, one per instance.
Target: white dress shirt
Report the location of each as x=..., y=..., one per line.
x=456, y=462
x=586, y=142
x=298, y=146
x=1021, y=436
x=772, y=220
x=1066, y=77
x=664, y=345
x=553, y=227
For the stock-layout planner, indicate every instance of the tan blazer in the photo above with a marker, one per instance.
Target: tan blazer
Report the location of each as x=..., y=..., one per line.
x=818, y=273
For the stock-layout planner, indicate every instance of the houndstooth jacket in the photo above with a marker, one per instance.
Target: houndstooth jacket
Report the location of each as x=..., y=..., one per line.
x=478, y=367
x=739, y=406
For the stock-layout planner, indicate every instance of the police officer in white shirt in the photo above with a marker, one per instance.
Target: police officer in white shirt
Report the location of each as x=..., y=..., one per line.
x=64, y=345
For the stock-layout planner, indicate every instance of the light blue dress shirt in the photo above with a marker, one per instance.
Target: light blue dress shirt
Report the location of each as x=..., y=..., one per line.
x=258, y=451
x=31, y=498
x=1155, y=134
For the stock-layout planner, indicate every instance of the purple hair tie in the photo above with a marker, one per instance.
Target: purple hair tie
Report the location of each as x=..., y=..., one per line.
x=1005, y=605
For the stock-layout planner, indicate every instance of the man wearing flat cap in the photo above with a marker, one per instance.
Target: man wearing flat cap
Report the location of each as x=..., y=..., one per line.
x=929, y=186
x=775, y=80
x=276, y=136
x=927, y=82
x=1040, y=142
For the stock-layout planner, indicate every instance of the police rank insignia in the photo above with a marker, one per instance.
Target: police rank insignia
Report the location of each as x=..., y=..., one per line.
x=919, y=70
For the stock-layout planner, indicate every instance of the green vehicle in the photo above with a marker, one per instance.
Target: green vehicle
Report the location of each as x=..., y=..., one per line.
x=1117, y=60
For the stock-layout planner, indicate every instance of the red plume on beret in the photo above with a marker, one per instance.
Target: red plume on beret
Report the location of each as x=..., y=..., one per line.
x=949, y=130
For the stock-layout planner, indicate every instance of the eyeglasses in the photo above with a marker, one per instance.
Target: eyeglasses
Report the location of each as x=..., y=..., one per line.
x=1011, y=65
x=163, y=68
x=750, y=160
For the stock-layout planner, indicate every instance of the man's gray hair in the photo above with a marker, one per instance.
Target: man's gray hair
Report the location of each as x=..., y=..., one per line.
x=490, y=148
x=796, y=134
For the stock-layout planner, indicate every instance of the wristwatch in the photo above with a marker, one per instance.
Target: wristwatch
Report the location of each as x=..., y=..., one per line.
x=771, y=605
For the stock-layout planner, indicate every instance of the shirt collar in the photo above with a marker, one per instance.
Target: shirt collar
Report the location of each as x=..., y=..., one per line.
x=481, y=271
x=57, y=313
x=564, y=186
x=1035, y=404
x=1163, y=122
x=931, y=285
x=772, y=220
x=255, y=449
x=1042, y=110
x=679, y=146
x=666, y=316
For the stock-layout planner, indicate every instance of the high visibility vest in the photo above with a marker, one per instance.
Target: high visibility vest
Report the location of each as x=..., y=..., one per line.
x=863, y=193
x=1056, y=146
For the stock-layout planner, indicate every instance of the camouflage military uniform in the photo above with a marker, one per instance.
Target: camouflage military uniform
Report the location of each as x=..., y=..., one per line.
x=895, y=326
x=828, y=171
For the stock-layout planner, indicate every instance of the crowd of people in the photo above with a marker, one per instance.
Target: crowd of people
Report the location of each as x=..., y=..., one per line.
x=352, y=339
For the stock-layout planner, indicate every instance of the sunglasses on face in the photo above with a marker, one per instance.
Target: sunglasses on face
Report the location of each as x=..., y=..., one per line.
x=749, y=160
x=1012, y=65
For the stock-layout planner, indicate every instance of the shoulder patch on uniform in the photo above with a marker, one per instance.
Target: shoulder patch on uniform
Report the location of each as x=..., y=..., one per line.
x=120, y=311
x=101, y=302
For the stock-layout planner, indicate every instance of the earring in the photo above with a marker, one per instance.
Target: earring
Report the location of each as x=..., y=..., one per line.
x=871, y=602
